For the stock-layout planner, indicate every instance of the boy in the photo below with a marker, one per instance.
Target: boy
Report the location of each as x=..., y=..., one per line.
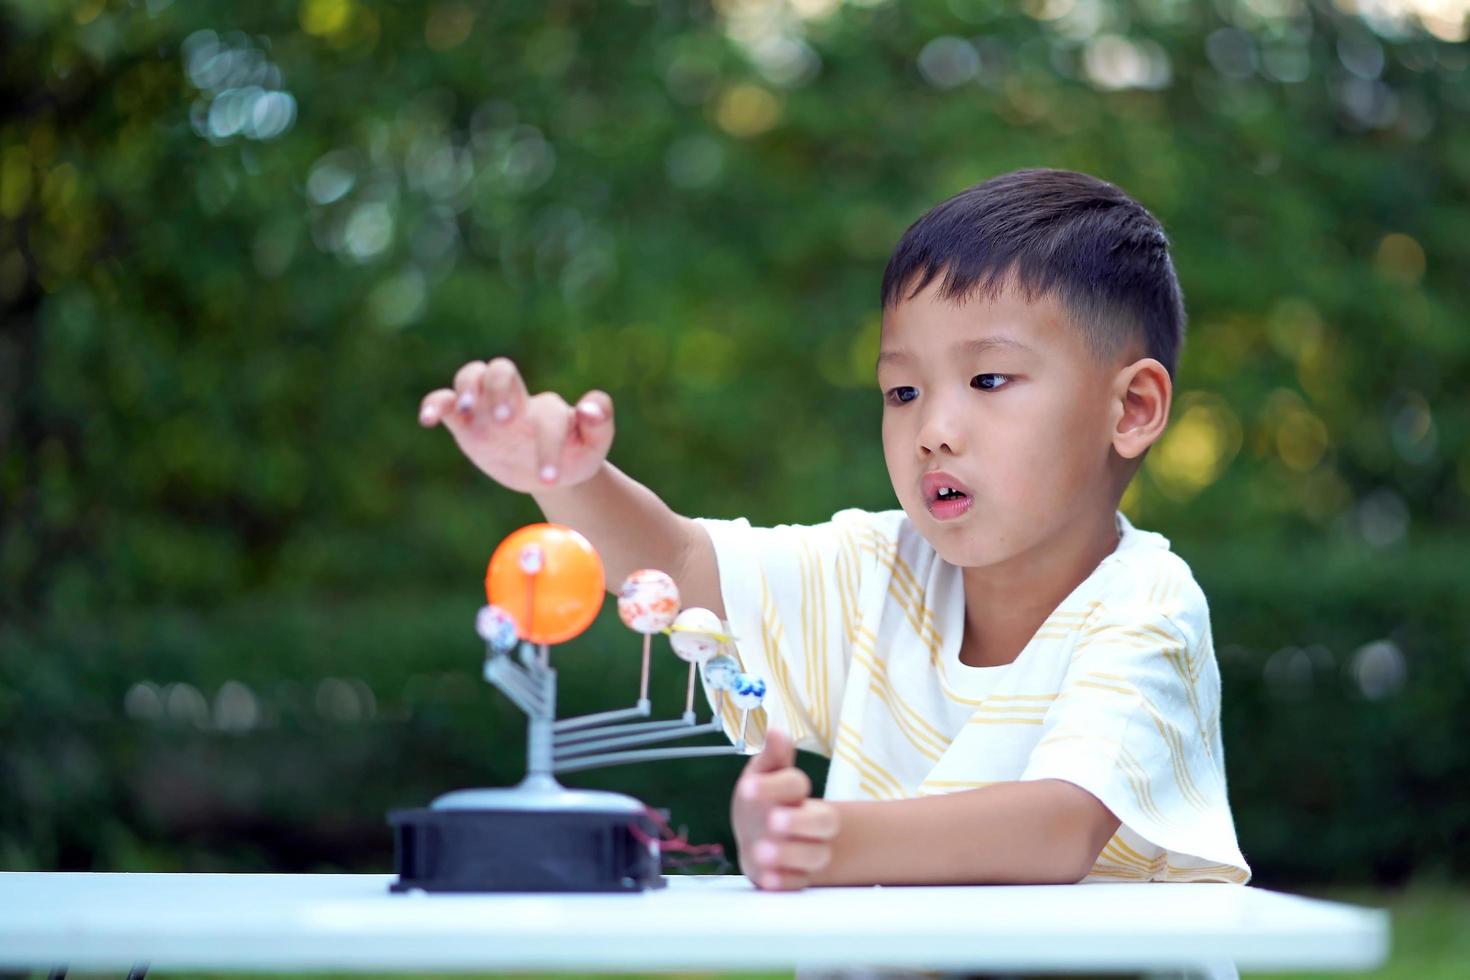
x=1013, y=683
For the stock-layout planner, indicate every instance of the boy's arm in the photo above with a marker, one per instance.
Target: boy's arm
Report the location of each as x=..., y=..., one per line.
x=632, y=528
x=540, y=445
x=1032, y=832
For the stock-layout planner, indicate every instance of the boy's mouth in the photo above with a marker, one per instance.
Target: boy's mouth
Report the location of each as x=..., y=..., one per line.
x=941, y=487
x=945, y=496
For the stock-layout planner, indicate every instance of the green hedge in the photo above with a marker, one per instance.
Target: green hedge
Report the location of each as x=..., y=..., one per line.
x=218, y=313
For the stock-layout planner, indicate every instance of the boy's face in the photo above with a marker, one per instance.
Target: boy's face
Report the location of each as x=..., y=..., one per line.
x=1004, y=396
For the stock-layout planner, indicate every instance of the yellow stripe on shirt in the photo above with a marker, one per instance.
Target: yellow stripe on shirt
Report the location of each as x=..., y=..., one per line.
x=865, y=652
x=849, y=744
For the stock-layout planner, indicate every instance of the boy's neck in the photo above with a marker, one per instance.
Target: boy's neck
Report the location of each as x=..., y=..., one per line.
x=1006, y=604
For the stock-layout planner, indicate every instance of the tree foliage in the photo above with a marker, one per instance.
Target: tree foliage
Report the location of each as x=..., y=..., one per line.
x=239, y=242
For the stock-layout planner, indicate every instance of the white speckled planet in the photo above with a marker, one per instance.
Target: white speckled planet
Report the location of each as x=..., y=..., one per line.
x=648, y=601
x=696, y=636
x=497, y=628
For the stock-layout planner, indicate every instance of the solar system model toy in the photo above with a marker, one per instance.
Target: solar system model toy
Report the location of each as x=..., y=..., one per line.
x=545, y=585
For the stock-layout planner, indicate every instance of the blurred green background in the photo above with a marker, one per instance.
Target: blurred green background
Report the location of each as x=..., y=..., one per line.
x=239, y=242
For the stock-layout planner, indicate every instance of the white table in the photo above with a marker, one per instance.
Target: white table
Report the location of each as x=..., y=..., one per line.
x=706, y=922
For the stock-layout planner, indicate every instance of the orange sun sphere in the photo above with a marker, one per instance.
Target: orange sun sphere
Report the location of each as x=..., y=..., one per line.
x=553, y=570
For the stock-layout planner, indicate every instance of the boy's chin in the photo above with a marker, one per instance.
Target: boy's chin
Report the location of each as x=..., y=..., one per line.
x=962, y=548
x=966, y=557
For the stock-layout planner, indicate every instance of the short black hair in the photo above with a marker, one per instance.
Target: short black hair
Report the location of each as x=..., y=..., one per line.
x=1058, y=233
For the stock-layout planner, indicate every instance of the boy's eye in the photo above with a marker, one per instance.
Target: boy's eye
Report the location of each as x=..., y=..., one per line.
x=895, y=395
x=904, y=394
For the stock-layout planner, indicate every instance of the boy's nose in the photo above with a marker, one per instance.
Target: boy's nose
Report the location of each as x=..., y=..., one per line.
x=939, y=433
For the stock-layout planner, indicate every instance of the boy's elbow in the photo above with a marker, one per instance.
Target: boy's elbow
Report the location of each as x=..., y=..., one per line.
x=1083, y=855
x=1060, y=869
x=1079, y=869
x=1086, y=830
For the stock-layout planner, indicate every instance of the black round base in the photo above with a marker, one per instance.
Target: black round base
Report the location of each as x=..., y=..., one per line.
x=524, y=850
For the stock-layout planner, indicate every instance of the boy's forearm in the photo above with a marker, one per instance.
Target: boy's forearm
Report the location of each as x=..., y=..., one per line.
x=628, y=524
x=1034, y=832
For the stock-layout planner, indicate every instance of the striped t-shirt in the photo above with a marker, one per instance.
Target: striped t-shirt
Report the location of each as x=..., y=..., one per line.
x=856, y=623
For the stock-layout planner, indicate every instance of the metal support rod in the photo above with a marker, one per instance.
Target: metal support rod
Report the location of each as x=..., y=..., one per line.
x=502, y=668
x=526, y=702
x=647, y=755
x=643, y=684
x=582, y=721
x=568, y=738
x=514, y=683
x=642, y=739
x=540, y=752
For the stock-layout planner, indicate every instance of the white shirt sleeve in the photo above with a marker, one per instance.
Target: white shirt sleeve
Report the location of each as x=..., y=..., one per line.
x=791, y=595
x=1136, y=724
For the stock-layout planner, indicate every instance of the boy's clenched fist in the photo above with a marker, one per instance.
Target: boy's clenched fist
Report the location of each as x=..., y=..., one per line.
x=783, y=836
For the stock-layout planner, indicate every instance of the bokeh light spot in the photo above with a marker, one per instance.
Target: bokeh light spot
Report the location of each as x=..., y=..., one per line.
x=1301, y=438
x=705, y=358
x=747, y=110
x=448, y=25
x=1379, y=669
x=1400, y=259
x=325, y=18
x=947, y=62
x=1196, y=448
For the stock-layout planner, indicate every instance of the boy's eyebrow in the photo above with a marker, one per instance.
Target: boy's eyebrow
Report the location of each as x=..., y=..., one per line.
x=975, y=345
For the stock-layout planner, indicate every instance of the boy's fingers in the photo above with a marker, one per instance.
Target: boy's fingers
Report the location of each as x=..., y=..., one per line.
x=812, y=820
x=778, y=752
x=552, y=417
x=784, y=786
x=594, y=410
x=778, y=880
x=504, y=388
x=435, y=406
x=467, y=387
x=792, y=855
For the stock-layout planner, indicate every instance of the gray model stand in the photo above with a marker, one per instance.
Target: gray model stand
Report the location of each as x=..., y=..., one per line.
x=540, y=835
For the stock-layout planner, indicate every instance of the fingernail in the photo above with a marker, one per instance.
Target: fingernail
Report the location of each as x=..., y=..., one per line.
x=502, y=412
x=548, y=473
x=780, y=820
x=592, y=410
x=426, y=417
x=466, y=401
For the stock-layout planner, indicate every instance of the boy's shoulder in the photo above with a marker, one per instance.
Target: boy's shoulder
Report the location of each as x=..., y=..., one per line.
x=1145, y=582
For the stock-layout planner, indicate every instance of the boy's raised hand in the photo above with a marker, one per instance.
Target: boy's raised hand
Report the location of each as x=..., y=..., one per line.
x=783, y=836
x=525, y=442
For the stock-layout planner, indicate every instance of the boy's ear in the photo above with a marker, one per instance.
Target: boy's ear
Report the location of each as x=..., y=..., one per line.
x=1142, y=392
